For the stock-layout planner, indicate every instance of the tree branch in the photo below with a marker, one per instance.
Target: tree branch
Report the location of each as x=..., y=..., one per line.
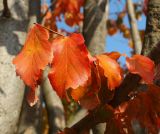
x=134, y=29
x=54, y=106
x=100, y=115
x=6, y=12
x=94, y=28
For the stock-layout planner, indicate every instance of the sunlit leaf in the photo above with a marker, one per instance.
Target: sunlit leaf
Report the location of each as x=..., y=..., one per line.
x=35, y=55
x=142, y=66
x=71, y=65
x=112, y=71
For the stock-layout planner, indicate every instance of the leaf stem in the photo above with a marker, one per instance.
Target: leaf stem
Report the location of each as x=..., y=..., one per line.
x=50, y=30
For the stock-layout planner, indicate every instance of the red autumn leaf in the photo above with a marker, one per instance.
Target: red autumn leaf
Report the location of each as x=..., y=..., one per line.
x=67, y=131
x=71, y=65
x=78, y=92
x=142, y=66
x=114, y=55
x=70, y=9
x=112, y=71
x=92, y=85
x=35, y=55
x=89, y=92
x=118, y=125
x=89, y=101
x=145, y=108
x=112, y=30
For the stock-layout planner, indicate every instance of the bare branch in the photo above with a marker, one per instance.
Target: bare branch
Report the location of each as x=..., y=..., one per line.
x=54, y=106
x=134, y=29
x=6, y=12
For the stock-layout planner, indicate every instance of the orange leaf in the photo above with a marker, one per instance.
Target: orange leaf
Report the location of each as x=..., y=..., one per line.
x=70, y=9
x=92, y=85
x=35, y=55
x=90, y=101
x=111, y=69
x=78, y=92
x=71, y=65
x=126, y=34
x=114, y=55
x=112, y=30
x=141, y=65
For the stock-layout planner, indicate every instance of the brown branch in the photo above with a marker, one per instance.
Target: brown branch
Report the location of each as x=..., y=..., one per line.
x=130, y=83
x=134, y=29
x=6, y=12
x=54, y=106
x=99, y=115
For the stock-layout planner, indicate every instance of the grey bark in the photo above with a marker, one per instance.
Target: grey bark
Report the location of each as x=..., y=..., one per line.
x=94, y=27
x=77, y=117
x=53, y=103
x=95, y=31
x=152, y=33
x=151, y=46
x=31, y=117
x=12, y=35
x=134, y=29
x=54, y=106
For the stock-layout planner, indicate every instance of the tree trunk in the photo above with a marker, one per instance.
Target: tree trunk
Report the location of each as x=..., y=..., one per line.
x=134, y=29
x=94, y=27
x=95, y=31
x=151, y=46
x=54, y=106
x=12, y=35
x=152, y=33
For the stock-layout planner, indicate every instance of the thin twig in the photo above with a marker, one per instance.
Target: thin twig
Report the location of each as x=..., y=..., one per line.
x=51, y=30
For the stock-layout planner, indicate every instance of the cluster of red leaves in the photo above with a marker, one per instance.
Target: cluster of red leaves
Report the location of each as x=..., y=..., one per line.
x=144, y=108
x=71, y=9
x=73, y=69
x=74, y=72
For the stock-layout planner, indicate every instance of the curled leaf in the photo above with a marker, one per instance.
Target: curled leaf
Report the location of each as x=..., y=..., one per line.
x=78, y=92
x=112, y=71
x=142, y=66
